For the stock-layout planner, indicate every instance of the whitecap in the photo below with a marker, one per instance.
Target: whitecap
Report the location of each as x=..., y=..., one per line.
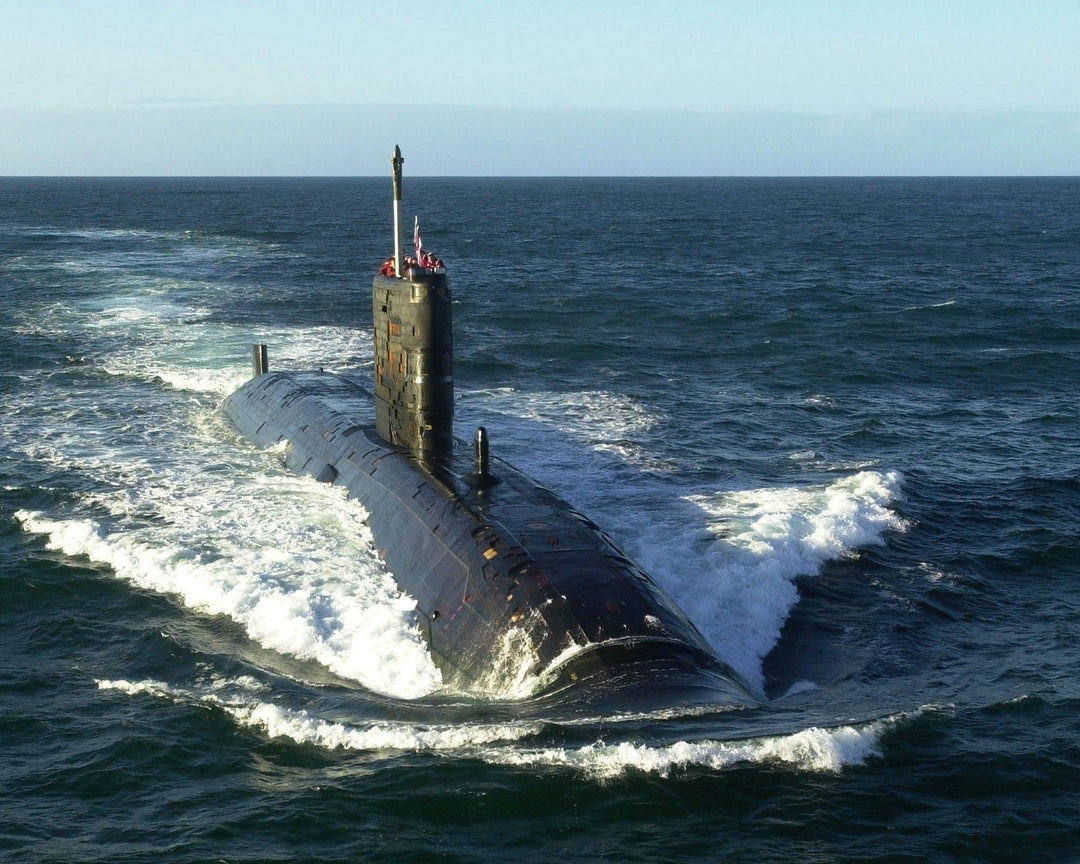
x=304, y=727
x=289, y=559
x=737, y=582
x=815, y=750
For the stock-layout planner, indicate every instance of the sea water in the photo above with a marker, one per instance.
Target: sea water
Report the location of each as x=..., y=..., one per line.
x=836, y=420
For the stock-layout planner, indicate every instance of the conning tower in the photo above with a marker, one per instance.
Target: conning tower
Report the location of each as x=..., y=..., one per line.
x=510, y=583
x=414, y=347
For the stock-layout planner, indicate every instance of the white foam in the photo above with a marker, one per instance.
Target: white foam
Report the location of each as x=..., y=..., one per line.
x=180, y=359
x=513, y=675
x=218, y=382
x=602, y=420
x=163, y=330
x=930, y=306
x=142, y=311
x=729, y=559
x=304, y=727
x=177, y=506
x=736, y=577
x=287, y=558
x=814, y=749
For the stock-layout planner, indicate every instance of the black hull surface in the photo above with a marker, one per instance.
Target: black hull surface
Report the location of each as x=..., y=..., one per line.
x=517, y=593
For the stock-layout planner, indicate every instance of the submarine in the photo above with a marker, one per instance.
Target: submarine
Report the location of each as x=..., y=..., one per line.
x=516, y=591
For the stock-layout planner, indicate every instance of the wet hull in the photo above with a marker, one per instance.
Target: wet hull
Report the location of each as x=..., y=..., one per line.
x=517, y=593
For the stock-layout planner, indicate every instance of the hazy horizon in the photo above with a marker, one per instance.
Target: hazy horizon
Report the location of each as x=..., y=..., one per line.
x=687, y=88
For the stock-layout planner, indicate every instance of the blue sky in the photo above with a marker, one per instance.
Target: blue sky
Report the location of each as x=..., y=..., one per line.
x=327, y=87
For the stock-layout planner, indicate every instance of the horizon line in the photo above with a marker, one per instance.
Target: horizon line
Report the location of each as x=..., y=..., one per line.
x=913, y=176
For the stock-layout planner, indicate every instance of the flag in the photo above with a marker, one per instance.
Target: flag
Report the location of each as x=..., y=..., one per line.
x=416, y=240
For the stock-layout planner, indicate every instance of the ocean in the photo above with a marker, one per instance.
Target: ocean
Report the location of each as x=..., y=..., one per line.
x=835, y=419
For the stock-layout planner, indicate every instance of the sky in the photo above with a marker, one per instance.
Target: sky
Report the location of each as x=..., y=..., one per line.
x=547, y=87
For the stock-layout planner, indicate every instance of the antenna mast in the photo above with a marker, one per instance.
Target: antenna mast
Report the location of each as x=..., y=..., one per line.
x=397, y=162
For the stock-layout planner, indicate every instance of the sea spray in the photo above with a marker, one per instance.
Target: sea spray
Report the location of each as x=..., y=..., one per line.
x=295, y=572
x=751, y=546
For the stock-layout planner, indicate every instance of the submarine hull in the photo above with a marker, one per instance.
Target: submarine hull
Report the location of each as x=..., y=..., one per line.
x=517, y=593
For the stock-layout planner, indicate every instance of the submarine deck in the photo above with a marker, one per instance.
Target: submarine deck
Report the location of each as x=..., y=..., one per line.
x=515, y=589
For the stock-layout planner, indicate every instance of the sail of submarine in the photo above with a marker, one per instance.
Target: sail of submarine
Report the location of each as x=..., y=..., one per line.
x=511, y=583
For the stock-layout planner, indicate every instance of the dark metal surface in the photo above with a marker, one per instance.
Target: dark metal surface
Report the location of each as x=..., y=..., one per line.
x=511, y=583
x=414, y=362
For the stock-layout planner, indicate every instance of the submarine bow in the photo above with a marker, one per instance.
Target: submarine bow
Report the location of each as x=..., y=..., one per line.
x=516, y=591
